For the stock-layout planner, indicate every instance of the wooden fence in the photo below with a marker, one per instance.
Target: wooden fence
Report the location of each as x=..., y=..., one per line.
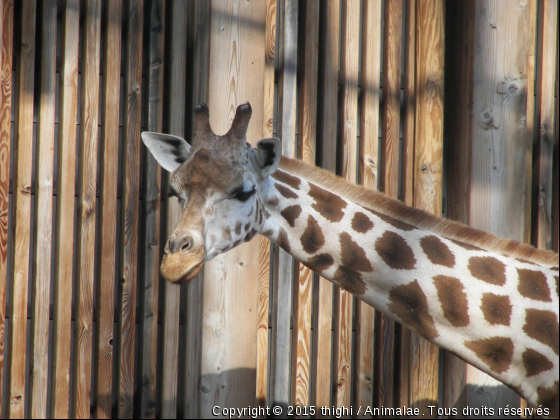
x=88, y=328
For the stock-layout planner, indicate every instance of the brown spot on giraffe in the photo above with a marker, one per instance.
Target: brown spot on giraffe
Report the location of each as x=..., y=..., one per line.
x=556, y=280
x=394, y=250
x=453, y=300
x=488, y=269
x=437, y=251
x=496, y=352
x=250, y=235
x=286, y=192
x=251, y=210
x=312, y=239
x=535, y=362
x=496, y=309
x=247, y=226
x=238, y=227
x=291, y=213
x=361, y=223
x=226, y=234
x=542, y=326
x=554, y=268
x=466, y=246
x=287, y=179
x=393, y=222
x=350, y=280
x=525, y=261
x=272, y=201
x=533, y=285
x=548, y=397
x=353, y=255
x=320, y=262
x=409, y=303
x=327, y=204
x=283, y=241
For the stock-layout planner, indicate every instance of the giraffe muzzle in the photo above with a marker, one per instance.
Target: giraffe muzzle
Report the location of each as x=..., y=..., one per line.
x=182, y=260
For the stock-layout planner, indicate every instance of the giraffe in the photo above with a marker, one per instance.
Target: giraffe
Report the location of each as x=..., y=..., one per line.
x=493, y=302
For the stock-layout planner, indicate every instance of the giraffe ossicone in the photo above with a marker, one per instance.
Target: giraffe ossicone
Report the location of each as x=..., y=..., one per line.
x=493, y=302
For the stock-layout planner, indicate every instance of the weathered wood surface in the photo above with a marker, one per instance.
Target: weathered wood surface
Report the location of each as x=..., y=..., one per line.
x=282, y=305
x=327, y=111
x=149, y=300
x=229, y=347
x=87, y=212
x=368, y=177
x=22, y=211
x=171, y=308
x=348, y=129
x=428, y=172
x=130, y=208
x=108, y=185
x=66, y=178
x=307, y=135
x=6, y=51
x=263, y=342
x=544, y=166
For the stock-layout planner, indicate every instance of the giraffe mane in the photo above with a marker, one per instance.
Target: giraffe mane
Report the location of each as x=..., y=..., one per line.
x=421, y=219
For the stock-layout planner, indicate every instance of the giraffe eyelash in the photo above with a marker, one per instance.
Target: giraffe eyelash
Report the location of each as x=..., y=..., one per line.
x=244, y=195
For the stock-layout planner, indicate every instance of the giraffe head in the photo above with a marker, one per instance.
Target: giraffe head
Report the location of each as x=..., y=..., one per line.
x=218, y=181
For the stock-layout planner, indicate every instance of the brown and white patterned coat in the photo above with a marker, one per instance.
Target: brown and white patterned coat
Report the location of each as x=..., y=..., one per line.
x=493, y=302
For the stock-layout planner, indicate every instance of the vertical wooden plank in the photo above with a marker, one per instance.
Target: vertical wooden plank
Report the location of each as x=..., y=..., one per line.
x=7, y=26
x=556, y=224
x=545, y=119
x=44, y=213
x=306, y=151
x=108, y=207
x=152, y=198
x=173, y=291
x=327, y=143
x=281, y=334
x=407, y=177
x=460, y=27
x=368, y=177
x=348, y=103
x=231, y=280
x=130, y=209
x=389, y=175
x=22, y=212
x=66, y=178
x=428, y=168
x=264, y=250
x=195, y=287
x=87, y=200
x=501, y=142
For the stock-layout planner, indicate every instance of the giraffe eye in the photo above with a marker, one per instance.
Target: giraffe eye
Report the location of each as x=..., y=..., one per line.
x=243, y=196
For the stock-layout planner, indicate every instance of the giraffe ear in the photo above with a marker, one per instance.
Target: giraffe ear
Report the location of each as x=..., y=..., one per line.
x=268, y=155
x=169, y=151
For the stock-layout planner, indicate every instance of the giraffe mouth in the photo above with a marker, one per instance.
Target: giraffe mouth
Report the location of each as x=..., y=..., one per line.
x=182, y=267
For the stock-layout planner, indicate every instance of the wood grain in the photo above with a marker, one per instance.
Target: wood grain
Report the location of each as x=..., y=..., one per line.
x=265, y=245
x=327, y=128
x=407, y=179
x=282, y=306
x=195, y=288
x=130, y=208
x=500, y=120
x=368, y=176
x=108, y=186
x=152, y=198
x=544, y=167
x=44, y=213
x=66, y=177
x=307, y=137
x=428, y=167
x=229, y=348
x=348, y=128
x=171, y=309
x=87, y=200
x=7, y=26
x=22, y=212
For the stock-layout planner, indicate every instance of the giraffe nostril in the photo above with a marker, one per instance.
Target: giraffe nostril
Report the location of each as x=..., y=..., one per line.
x=187, y=244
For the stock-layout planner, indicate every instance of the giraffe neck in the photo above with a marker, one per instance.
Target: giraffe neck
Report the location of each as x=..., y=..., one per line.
x=497, y=312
